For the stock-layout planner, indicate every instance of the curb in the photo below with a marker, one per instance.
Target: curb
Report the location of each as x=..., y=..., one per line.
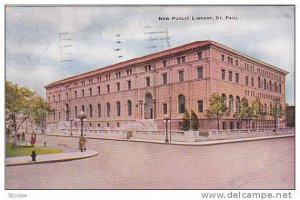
x=94, y=153
x=202, y=143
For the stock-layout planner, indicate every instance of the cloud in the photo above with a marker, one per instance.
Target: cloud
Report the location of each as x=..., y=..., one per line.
x=35, y=43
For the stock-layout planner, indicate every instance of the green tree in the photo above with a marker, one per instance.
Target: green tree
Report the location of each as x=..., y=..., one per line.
x=18, y=105
x=40, y=111
x=217, y=109
x=244, y=111
x=194, y=121
x=257, y=112
x=22, y=104
x=277, y=111
x=186, y=121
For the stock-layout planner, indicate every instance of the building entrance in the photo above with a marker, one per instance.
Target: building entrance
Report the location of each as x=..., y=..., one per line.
x=148, y=106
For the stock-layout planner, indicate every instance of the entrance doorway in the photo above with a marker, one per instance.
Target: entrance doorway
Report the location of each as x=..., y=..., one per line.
x=148, y=106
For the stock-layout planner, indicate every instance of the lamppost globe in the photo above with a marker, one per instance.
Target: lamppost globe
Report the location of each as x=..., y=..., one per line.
x=81, y=117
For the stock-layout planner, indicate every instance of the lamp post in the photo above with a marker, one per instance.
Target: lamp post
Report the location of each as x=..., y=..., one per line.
x=166, y=118
x=71, y=120
x=81, y=116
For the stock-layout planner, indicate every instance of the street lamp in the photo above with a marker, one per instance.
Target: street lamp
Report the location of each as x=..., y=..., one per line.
x=71, y=120
x=166, y=118
x=81, y=116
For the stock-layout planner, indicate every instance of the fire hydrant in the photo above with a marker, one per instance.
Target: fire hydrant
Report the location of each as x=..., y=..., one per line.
x=33, y=155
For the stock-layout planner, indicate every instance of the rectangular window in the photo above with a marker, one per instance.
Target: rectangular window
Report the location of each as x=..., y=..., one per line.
x=231, y=60
x=252, y=82
x=236, y=62
x=199, y=55
x=90, y=90
x=181, y=76
x=147, y=68
x=183, y=59
x=118, y=87
x=118, y=74
x=129, y=84
x=129, y=71
x=200, y=72
x=108, y=88
x=147, y=81
x=164, y=63
x=247, y=80
x=75, y=94
x=228, y=59
x=237, y=78
x=82, y=92
x=223, y=74
x=99, y=89
x=165, y=78
x=223, y=58
x=200, y=106
x=165, y=108
x=230, y=75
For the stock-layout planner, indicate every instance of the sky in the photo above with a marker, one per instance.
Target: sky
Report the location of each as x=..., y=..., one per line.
x=45, y=44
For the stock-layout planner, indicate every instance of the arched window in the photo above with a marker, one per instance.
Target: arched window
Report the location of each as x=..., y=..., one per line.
x=270, y=85
x=181, y=104
x=271, y=109
x=224, y=99
x=99, y=109
x=129, y=107
x=237, y=103
x=265, y=84
x=82, y=108
x=230, y=103
x=108, y=109
x=275, y=85
x=118, y=109
x=76, y=112
x=258, y=82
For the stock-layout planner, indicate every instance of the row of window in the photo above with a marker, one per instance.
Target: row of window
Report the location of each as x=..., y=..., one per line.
x=223, y=74
x=180, y=60
x=147, y=83
x=229, y=60
x=182, y=107
x=265, y=109
x=267, y=85
x=252, y=68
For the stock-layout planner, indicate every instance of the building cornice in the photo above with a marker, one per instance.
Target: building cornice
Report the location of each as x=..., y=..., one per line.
x=159, y=55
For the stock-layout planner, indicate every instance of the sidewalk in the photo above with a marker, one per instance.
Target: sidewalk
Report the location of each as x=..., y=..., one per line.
x=197, y=143
x=47, y=158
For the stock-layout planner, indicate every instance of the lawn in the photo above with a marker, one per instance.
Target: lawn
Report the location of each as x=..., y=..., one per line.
x=27, y=150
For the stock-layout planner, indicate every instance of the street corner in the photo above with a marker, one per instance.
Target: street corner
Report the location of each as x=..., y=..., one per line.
x=50, y=158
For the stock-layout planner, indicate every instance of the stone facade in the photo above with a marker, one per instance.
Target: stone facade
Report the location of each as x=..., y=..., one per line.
x=162, y=84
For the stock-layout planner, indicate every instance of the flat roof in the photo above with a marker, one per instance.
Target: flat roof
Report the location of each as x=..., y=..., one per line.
x=160, y=54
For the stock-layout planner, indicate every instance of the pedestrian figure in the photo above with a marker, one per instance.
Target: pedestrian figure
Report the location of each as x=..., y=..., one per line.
x=33, y=139
x=82, y=143
x=23, y=137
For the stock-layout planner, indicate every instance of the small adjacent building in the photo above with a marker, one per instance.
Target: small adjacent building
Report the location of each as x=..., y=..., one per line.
x=149, y=88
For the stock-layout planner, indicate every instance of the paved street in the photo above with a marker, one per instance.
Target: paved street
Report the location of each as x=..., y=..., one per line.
x=263, y=164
